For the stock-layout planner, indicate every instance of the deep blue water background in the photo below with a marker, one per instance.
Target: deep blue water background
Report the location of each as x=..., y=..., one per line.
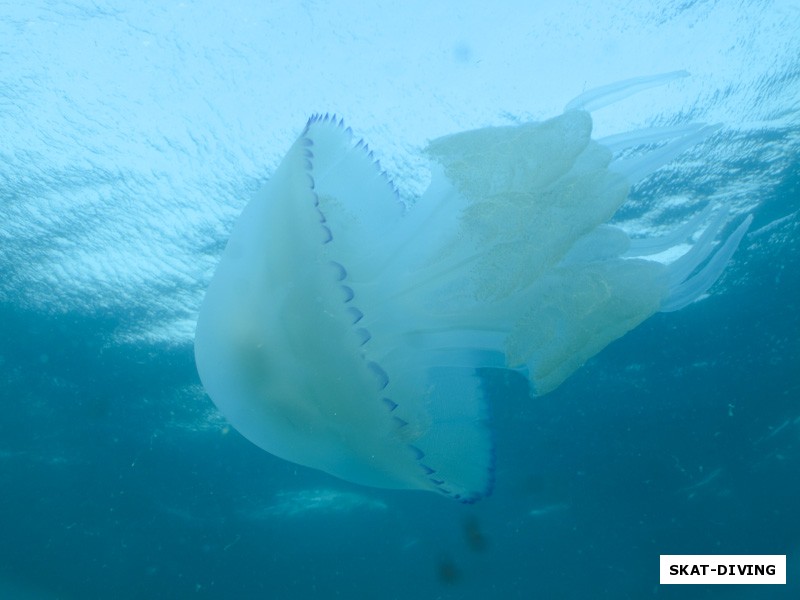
x=117, y=480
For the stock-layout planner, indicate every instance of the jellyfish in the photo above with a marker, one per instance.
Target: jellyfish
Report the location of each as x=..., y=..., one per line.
x=345, y=331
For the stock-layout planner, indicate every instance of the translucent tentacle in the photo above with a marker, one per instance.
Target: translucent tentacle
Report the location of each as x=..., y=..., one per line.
x=654, y=245
x=608, y=94
x=692, y=288
x=650, y=135
x=680, y=269
x=637, y=168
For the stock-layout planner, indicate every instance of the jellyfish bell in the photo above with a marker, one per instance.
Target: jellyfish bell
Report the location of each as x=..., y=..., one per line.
x=343, y=332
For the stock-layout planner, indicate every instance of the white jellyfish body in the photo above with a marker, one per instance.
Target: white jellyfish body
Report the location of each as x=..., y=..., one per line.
x=343, y=332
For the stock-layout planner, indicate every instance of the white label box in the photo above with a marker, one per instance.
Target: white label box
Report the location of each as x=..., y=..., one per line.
x=723, y=568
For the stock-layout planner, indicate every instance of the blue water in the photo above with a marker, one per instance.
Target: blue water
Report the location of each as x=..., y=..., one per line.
x=131, y=138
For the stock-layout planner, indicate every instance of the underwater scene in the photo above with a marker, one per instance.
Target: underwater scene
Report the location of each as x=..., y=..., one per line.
x=395, y=300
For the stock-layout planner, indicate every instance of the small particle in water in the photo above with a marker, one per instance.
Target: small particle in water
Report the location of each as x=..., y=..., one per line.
x=476, y=540
x=462, y=52
x=447, y=571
